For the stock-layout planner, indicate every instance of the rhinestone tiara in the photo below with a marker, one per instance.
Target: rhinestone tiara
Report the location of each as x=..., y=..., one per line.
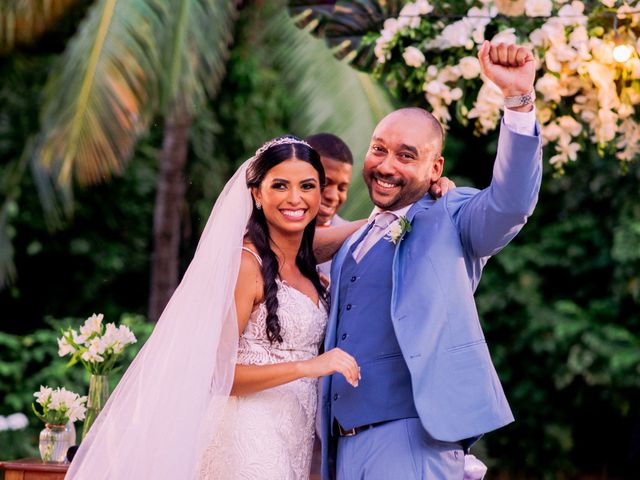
x=280, y=141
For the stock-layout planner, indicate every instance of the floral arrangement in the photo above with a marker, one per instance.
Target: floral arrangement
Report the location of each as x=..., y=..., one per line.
x=96, y=346
x=397, y=229
x=58, y=406
x=588, y=83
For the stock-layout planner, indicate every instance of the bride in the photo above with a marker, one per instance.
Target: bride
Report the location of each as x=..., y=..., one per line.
x=268, y=427
x=225, y=387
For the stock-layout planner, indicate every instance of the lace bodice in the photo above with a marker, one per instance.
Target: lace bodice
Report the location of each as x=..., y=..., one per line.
x=269, y=435
x=302, y=325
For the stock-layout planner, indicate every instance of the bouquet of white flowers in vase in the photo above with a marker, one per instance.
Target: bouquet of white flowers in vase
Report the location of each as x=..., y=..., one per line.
x=98, y=347
x=56, y=408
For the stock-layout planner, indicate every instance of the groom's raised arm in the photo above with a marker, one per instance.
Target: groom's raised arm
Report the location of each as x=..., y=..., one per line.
x=489, y=219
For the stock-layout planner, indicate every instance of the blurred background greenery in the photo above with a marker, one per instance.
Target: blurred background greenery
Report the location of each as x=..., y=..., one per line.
x=559, y=305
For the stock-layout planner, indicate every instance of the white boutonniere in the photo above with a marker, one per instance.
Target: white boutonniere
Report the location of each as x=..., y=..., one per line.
x=397, y=230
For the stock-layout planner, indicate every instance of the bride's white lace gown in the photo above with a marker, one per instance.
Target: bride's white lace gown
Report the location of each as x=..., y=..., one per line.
x=270, y=434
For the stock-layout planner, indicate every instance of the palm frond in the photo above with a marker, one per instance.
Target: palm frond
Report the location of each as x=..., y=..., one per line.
x=195, y=48
x=331, y=97
x=102, y=94
x=344, y=24
x=24, y=21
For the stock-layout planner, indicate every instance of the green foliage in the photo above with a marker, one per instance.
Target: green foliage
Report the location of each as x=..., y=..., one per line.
x=560, y=310
x=29, y=361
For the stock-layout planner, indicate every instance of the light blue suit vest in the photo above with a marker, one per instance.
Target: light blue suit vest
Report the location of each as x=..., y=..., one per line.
x=435, y=271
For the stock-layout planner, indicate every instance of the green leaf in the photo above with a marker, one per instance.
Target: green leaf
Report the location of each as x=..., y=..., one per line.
x=100, y=97
x=346, y=25
x=24, y=21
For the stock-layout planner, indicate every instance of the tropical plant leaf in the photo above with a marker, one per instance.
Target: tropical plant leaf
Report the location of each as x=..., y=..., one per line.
x=195, y=48
x=331, y=97
x=24, y=21
x=345, y=26
x=102, y=94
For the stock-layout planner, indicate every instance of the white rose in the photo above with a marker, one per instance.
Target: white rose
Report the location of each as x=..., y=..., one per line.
x=538, y=8
x=4, y=425
x=432, y=71
x=424, y=7
x=507, y=36
x=549, y=86
x=434, y=87
x=456, y=94
x=469, y=67
x=572, y=14
x=456, y=34
x=413, y=57
x=410, y=15
x=390, y=28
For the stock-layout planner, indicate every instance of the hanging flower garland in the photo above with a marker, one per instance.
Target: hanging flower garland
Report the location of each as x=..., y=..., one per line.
x=588, y=83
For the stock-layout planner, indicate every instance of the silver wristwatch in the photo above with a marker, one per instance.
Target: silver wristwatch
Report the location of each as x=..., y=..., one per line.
x=520, y=100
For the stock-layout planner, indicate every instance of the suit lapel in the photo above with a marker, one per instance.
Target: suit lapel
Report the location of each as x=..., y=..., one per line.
x=423, y=204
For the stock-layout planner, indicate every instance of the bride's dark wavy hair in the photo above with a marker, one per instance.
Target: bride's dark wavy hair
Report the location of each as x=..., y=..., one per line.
x=258, y=230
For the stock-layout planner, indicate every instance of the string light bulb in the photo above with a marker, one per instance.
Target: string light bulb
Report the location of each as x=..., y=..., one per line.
x=622, y=53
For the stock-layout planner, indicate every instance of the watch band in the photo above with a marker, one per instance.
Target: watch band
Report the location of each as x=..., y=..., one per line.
x=520, y=100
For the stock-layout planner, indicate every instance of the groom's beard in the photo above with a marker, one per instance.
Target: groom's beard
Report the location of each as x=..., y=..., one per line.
x=406, y=192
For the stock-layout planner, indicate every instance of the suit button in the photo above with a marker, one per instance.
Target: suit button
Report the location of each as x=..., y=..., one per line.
x=344, y=336
x=349, y=307
x=353, y=279
x=335, y=396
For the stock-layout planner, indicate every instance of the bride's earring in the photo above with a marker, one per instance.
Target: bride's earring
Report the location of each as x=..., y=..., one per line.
x=258, y=205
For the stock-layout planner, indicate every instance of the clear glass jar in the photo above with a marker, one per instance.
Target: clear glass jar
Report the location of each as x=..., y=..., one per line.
x=54, y=443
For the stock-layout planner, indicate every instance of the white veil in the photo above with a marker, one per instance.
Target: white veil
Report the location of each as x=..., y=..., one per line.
x=163, y=413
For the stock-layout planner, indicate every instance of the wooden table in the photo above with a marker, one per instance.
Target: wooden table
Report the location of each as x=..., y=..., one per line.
x=33, y=469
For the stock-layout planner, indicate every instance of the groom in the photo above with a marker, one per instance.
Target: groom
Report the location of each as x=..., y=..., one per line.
x=402, y=298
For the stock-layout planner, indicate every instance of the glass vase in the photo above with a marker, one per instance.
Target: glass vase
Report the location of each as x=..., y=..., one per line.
x=70, y=428
x=54, y=443
x=98, y=395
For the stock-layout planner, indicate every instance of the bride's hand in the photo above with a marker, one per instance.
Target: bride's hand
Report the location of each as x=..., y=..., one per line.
x=333, y=361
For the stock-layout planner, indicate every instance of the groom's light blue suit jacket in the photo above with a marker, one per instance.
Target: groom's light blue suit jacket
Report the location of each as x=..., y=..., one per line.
x=436, y=269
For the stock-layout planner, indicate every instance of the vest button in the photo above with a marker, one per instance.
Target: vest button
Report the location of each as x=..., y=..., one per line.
x=353, y=279
x=349, y=307
x=335, y=396
x=344, y=336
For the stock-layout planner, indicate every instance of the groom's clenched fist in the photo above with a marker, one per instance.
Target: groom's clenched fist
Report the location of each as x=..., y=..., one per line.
x=511, y=67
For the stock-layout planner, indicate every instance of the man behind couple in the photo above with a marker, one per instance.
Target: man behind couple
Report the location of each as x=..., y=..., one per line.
x=408, y=382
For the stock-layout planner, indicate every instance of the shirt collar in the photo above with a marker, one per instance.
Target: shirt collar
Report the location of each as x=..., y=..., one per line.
x=398, y=213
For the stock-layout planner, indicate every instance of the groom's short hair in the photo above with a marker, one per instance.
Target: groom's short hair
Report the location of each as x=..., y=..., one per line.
x=330, y=146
